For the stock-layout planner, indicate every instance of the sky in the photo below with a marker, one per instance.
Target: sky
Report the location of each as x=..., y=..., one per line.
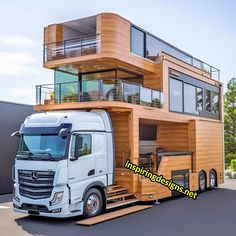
x=204, y=29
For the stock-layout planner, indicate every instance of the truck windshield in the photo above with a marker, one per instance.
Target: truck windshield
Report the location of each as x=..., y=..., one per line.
x=49, y=146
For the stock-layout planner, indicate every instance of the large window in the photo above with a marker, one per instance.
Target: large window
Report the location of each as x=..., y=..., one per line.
x=137, y=41
x=186, y=95
x=148, y=46
x=176, y=95
x=152, y=48
x=192, y=99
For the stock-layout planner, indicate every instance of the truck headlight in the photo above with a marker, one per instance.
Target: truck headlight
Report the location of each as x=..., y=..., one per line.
x=57, y=198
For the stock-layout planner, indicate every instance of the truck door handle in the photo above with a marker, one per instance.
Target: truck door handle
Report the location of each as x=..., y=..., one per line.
x=91, y=172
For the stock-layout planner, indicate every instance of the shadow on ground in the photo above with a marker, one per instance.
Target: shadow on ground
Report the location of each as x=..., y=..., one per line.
x=213, y=213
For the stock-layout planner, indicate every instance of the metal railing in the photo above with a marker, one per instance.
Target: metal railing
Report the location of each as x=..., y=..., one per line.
x=212, y=71
x=98, y=90
x=71, y=48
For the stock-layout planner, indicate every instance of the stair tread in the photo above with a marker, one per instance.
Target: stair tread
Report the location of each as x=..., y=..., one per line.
x=117, y=190
x=119, y=196
x=114, y=186
x=121, y=203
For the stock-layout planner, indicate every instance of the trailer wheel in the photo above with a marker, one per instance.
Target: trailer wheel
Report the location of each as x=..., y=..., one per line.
x=212, y=179
x=93, y=203
x=202, y=181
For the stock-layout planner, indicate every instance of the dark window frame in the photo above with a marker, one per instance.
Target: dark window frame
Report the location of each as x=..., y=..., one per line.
x=198, y=84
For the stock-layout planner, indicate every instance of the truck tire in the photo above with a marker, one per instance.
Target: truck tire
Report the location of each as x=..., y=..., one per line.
x=202, y=181
x=93, y=203
x=212, y=179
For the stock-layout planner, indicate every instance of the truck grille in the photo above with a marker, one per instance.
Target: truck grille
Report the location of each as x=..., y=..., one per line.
x=36, y=184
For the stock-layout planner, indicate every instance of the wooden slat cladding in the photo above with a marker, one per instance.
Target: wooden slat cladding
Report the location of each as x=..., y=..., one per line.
x=173, y=137
x=53, y=33
x=206, y=143
x=123, y=177
x=193, y=181
x=115, y=42
x=120, y=123
x=154, y=80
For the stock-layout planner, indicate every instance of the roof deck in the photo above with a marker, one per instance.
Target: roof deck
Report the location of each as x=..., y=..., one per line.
x=92, y=36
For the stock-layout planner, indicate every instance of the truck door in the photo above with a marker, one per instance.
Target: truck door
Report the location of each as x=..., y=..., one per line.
x=100, y=152
x=81, y=168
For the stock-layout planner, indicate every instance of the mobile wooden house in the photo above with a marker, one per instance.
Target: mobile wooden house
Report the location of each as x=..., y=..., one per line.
x=165, y=105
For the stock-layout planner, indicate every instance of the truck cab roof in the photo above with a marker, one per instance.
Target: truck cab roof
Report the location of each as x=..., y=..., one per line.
x=82, y=120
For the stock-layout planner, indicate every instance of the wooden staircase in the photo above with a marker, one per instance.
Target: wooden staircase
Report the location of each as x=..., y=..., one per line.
x=119, y=196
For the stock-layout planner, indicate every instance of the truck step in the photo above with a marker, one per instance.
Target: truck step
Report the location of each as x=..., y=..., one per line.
x=121, y=203
x=119, y=196
x=117, y=190
x=112, y=215
x=112, y=187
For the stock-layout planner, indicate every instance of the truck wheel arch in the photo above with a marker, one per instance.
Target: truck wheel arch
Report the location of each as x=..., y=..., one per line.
x=101, y=187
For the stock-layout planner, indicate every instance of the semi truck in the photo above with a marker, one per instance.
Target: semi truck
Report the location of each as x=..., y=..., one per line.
x=64, y=163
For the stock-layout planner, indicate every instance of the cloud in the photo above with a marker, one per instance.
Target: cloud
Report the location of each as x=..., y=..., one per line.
x=15, y=63
x=15, y=40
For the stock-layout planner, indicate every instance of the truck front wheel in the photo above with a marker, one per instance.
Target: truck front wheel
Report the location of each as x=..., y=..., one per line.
x=93, y=203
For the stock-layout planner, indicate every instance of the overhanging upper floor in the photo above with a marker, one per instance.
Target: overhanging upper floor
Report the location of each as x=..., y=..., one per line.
x=97, y=42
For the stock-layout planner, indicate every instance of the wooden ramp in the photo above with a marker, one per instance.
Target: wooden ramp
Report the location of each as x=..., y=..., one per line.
x=112, y=215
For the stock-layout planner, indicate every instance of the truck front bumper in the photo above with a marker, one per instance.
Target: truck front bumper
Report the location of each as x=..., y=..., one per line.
x=42, y=207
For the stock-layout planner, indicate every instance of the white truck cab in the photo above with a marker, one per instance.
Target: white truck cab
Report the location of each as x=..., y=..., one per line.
x=64, y=163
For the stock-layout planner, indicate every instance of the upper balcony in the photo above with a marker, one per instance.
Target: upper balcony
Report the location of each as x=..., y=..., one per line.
x=107, y=41
x=83, y=45
x=104, y=89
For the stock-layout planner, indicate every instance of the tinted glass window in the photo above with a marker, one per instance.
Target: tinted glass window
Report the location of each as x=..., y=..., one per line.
x=189, y=99
x=41, y=144
x=85, y=144
x=215, y=102
x=68, y=89
x=199, y=99
x=137, y=41
x=152, y=48
x=208, y=100
x=176, y=93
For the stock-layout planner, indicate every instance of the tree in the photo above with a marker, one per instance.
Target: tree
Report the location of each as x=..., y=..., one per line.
x=230, y=121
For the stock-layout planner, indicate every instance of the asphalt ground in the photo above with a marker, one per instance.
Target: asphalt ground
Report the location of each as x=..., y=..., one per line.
x=213, y=213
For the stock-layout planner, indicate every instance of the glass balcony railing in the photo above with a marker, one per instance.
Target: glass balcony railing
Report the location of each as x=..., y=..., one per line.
x=98, y=90
x=71, y=48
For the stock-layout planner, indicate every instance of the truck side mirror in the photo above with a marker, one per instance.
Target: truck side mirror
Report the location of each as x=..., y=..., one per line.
x=78, y=146
x=15, y=134
x=63, y=133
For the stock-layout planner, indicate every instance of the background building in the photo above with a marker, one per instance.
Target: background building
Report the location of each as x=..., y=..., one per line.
x=12, y=115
